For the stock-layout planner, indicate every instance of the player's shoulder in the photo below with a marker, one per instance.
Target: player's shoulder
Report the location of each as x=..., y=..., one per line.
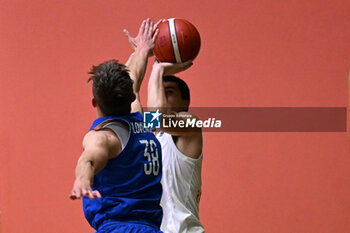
x=101, y=137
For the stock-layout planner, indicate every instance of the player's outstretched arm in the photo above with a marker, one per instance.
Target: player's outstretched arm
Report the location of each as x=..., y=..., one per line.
x=143, y=45
x=98, y=149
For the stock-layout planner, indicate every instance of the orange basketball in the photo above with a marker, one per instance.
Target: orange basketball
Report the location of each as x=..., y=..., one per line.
x=178, y=41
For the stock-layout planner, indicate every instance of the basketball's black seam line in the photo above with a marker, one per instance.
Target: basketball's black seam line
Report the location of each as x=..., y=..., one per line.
x=160, y=51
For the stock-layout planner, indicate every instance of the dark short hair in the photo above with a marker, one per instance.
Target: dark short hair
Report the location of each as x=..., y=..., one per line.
x=112, y=88
x=185, y=91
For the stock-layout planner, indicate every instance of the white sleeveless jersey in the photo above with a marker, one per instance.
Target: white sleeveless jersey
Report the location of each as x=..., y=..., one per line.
x=181, y=181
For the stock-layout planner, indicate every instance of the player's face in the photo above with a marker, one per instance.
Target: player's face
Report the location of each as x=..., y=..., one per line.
x=173, y=95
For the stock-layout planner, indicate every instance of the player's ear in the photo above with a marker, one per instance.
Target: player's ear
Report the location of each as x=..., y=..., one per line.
x=186, y=103
x=93, y=102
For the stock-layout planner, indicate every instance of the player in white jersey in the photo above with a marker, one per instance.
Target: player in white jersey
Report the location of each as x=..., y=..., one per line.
x=182, y=151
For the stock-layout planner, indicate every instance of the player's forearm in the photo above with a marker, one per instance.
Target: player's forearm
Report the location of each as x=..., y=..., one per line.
x=127, y=64
x=90, y=163
x=156, y=94
x=137, y=67
x=85, y=170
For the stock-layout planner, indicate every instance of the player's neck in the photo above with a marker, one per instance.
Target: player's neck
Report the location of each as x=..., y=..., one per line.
x=99, y=113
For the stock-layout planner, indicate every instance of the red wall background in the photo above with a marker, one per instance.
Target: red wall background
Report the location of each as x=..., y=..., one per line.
x=254, y=54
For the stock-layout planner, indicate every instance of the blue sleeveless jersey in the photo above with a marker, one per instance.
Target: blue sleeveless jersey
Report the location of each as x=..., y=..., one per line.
x=130, y=183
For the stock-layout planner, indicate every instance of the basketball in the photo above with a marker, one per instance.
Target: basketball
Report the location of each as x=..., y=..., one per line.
x=178, y=41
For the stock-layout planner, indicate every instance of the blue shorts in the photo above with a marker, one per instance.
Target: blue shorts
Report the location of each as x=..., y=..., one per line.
x=127, y=227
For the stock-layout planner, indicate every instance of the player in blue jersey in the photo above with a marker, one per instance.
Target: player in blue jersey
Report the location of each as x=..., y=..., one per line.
x=119, y=172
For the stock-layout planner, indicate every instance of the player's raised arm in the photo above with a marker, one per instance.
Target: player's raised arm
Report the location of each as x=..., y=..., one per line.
x=158, y=95
x=143, y=45
x=156, y=91
x=98, y=149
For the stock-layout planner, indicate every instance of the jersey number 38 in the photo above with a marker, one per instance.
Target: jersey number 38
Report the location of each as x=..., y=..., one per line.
x=152, y=155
